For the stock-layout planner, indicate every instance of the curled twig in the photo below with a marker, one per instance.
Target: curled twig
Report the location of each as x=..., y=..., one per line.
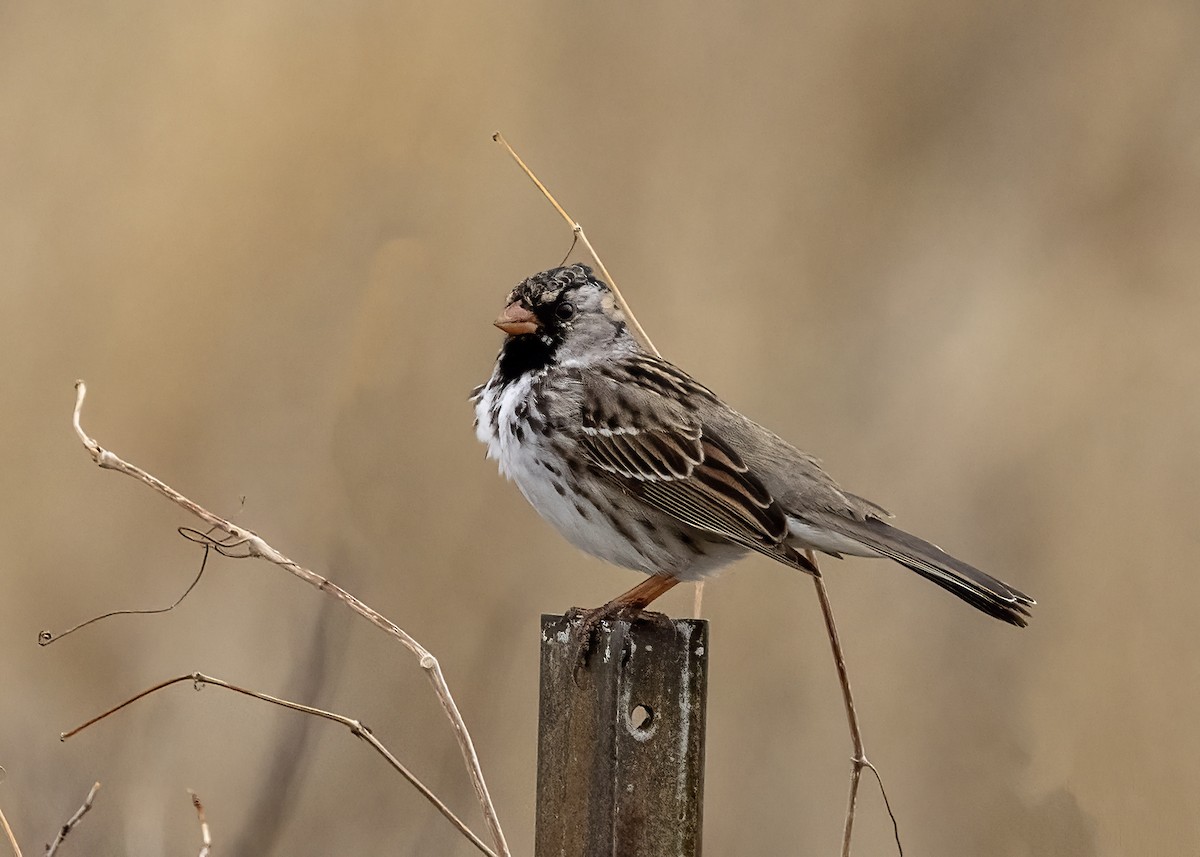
x=226, y=545
x=52, y=848
x=45, y=638
x=357, y=728
x=256, y=546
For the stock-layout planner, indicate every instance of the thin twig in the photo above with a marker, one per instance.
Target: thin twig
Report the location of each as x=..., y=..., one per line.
x=45, y=638
x=634, y=326
x=888, y=806
x=356, y=727
x=256, y=547
x=205, y=838
x=859, y=760
x=52, y=848
x=12, y=840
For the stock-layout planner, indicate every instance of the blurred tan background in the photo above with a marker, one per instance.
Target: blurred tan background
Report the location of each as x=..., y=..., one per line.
x=951, y=248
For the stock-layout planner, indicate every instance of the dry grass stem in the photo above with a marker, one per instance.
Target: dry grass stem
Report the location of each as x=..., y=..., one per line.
x=52, y=848
x=577, y=230
x=255, y=546
x=859, y=759
x=356, y=727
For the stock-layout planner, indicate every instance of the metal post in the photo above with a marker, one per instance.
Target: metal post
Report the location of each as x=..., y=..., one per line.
x=621, y=742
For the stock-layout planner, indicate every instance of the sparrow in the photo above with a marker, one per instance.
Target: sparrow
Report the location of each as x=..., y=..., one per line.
x=639, y=464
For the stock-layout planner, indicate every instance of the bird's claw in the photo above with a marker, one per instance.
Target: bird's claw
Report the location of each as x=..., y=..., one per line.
x=589, y=622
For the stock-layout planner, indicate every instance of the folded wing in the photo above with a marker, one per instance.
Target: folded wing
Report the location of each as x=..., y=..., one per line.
x=637, y=434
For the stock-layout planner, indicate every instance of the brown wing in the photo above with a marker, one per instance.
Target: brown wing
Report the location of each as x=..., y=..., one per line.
x=639, y=434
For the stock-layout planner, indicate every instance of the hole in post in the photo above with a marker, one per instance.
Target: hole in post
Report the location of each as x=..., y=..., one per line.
x=641, y=717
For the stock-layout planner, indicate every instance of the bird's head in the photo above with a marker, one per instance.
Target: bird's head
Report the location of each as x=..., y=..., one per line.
x=564, y=314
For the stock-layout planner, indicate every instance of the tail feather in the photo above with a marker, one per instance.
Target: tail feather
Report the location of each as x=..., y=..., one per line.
x=980, y=590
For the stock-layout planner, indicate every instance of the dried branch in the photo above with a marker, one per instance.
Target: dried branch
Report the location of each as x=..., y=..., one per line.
x=255, y=546
x=859, y=760
x=52, y=848
x=357, y=728
x=205, y=838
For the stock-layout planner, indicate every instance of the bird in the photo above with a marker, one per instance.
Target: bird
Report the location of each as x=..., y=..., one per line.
x=635, y=462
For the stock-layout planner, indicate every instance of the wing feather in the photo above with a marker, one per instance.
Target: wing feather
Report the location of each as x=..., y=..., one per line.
x=637, y=432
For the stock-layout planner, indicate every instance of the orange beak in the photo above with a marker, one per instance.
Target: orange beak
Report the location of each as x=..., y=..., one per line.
x=516, y=320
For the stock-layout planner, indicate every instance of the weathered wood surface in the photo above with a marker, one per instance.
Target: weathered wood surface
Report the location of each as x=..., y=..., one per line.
x=621, y=741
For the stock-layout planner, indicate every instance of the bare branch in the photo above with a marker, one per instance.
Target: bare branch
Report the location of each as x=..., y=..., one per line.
x=634, y=326
x=356, y=727
x=205, y=838
x=52, y=848
x=859, y=760
x=256, y=546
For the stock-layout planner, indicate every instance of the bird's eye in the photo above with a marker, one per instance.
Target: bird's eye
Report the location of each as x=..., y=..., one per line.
x=565, y=311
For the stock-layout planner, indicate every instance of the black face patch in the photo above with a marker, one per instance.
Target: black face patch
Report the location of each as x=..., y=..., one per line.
x=549, y=296
x=529, y=353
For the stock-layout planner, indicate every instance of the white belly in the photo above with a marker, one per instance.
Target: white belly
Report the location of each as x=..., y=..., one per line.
x=535, y=463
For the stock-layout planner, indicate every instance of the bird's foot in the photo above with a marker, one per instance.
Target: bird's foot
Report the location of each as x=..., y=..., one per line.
x=589, y=622
x=627, y=605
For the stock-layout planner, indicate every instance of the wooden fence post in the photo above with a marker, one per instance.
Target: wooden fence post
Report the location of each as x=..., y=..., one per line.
x=621, y=744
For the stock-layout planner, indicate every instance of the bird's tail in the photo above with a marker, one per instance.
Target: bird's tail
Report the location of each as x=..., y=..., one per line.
x=980, y=590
